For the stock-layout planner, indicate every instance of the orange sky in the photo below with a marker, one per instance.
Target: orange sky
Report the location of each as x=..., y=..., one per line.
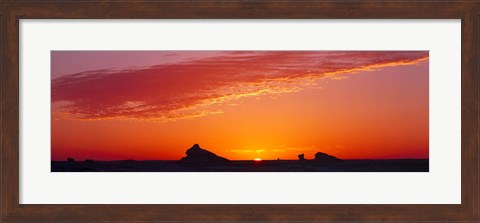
x=153, y=105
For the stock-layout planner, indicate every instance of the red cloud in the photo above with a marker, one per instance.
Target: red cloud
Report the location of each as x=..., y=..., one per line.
x=191, y=89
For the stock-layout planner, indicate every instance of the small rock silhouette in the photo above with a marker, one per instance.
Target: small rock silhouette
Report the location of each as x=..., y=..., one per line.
x=301, y=157
x=197, y=155
x=323, y=157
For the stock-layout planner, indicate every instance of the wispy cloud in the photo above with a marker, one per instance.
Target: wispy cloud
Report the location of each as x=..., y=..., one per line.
x=189, y=89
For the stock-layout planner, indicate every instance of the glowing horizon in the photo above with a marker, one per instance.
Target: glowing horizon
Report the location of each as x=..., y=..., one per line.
x=153, y=105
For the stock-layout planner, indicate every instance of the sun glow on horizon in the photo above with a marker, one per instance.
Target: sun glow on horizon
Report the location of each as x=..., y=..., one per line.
x=257, y=159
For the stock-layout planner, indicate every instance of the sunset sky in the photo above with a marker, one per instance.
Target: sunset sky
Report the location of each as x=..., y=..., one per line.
x=242, y=105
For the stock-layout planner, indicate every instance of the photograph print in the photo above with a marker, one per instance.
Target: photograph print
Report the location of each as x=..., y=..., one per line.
x=239, y=111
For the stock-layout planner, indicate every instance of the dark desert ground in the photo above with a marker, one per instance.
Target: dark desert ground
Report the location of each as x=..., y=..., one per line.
x=398, y=165
x=201, y=160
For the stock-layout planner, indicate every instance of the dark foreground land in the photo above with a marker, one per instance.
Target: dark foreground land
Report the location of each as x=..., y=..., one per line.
x=398, y=165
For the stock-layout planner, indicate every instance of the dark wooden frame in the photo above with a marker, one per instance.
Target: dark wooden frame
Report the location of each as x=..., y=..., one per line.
x=12, y=11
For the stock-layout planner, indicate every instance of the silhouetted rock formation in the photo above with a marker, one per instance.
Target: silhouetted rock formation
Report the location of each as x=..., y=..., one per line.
x=323, y=157
x=301, y=157
x=197, y=155
x=70, y=160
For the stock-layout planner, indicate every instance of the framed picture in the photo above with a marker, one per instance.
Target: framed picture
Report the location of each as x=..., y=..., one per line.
x=239, y=111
